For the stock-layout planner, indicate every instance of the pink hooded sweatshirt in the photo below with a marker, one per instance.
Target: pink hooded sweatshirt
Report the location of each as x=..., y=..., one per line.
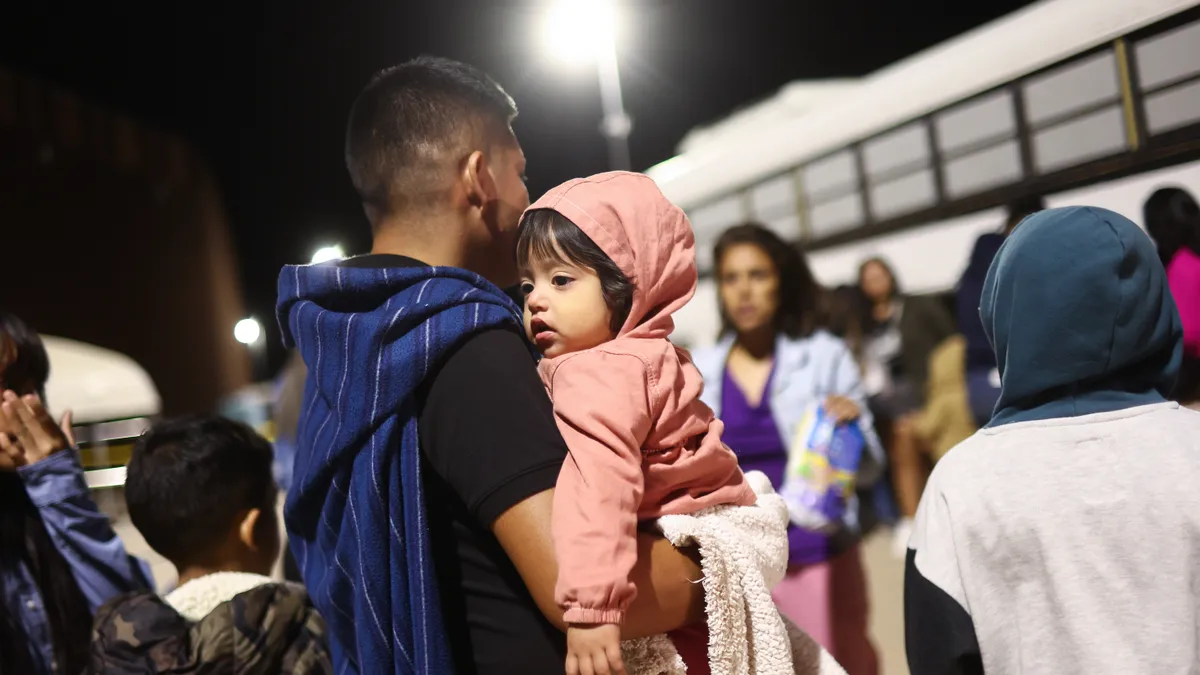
x=641, y=443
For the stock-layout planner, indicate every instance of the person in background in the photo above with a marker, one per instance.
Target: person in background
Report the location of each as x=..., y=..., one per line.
x=983, y=382
x=843, y=311
x=901, y=334
x=285, y=414
x=1172, y=218
x=1065, y=536
x=200, y=491
x=59, y=556
x=773, y=362
x=946, y=419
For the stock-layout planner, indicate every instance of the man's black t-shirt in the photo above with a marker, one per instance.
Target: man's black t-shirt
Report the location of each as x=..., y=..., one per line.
x=489, y=441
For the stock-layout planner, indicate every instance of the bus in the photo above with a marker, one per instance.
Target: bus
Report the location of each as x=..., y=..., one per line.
x=1077, y=101
x=112, y=401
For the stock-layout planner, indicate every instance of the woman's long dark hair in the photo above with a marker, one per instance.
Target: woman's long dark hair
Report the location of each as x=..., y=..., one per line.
x=869, y=323
x=843, y=314
x=24, y=540
x=1172, y=219
x=800, y=308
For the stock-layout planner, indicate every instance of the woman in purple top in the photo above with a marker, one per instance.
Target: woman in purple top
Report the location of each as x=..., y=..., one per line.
x=59, y=557
x=773, y=363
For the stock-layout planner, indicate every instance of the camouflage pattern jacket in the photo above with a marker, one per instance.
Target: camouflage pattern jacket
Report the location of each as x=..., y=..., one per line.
x=270, y=629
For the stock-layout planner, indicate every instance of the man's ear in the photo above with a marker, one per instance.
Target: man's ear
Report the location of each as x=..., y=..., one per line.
x=248, y=530
x=478, y=182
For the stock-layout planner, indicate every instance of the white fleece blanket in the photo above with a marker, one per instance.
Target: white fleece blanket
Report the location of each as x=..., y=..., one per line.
x=743, y=554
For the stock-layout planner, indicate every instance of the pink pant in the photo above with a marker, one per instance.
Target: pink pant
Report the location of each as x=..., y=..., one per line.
x=692, y=645
x=829, y=601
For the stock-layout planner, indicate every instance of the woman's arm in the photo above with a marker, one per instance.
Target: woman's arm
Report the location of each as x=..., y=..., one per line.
x=54, y=480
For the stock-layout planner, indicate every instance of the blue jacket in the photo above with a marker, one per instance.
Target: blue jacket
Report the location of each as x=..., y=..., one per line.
x=355, y=513
x=1097, y=331
x=970, y=288
x=84, y=537
x=807, y=371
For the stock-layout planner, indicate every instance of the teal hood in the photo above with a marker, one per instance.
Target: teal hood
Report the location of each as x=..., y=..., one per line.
x=1077, y=309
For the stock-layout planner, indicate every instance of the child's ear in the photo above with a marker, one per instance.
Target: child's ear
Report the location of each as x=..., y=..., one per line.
x=248, y=530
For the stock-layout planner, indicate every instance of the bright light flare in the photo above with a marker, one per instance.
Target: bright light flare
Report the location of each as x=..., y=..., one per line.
x=247, y=331
x=578, y=31
x=327, y=253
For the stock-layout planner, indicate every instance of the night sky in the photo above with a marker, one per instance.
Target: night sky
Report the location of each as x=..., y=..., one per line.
x=262, y=89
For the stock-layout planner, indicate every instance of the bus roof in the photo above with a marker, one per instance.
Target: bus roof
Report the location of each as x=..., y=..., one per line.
x=97, y=384
x=994, y=54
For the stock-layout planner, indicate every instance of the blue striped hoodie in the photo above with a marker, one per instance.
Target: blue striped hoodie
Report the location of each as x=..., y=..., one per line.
x=355, y=515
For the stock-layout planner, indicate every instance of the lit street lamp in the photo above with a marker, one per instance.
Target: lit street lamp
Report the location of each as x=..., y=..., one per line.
x=249, y=332
x=585, y=30
x=327, y=253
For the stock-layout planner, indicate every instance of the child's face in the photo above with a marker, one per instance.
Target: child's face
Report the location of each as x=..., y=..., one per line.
x=564, y=307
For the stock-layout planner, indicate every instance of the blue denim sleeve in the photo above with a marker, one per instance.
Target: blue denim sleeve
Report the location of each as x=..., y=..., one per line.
x=284, y=464
x=81, y=533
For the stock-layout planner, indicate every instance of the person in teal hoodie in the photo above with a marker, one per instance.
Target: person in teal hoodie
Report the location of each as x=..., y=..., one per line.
x=1064, y=537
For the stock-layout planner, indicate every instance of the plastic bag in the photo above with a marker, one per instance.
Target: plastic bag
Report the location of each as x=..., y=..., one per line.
x=818, y=482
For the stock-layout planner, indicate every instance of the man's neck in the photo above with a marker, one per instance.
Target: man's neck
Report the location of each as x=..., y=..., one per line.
x=412, y=240
x=439, y=242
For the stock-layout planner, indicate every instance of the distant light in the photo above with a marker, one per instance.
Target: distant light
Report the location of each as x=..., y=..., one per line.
x=579, y=30
x=327, y=253
x=247, y=331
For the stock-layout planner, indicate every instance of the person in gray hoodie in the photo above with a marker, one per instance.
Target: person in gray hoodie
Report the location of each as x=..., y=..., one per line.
x=1064, y=537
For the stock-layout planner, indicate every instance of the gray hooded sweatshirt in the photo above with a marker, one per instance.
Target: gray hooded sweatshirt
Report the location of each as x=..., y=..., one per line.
x=1065, y=536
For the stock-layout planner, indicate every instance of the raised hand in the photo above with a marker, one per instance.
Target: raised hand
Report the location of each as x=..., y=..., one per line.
x=29, y=434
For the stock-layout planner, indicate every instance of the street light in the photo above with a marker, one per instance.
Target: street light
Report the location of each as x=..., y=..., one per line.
x=586, y=30
x=327, y=253
x=247, y=331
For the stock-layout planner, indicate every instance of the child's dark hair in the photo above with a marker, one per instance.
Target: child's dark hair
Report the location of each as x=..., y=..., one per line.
x=548, y=234
x=24, y=365
x=190, y=478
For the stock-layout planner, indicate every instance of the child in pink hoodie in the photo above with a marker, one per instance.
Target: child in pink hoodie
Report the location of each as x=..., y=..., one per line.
x=605, y=261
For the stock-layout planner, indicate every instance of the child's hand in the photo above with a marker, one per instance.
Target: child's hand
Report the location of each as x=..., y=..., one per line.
x=594, y=650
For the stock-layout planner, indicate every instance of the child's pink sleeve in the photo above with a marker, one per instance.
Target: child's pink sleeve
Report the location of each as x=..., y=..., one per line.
x=1183, y=276
x=602, y=409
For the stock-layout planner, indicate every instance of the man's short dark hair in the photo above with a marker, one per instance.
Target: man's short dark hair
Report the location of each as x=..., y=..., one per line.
x=189, y=480
x=409, y=114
